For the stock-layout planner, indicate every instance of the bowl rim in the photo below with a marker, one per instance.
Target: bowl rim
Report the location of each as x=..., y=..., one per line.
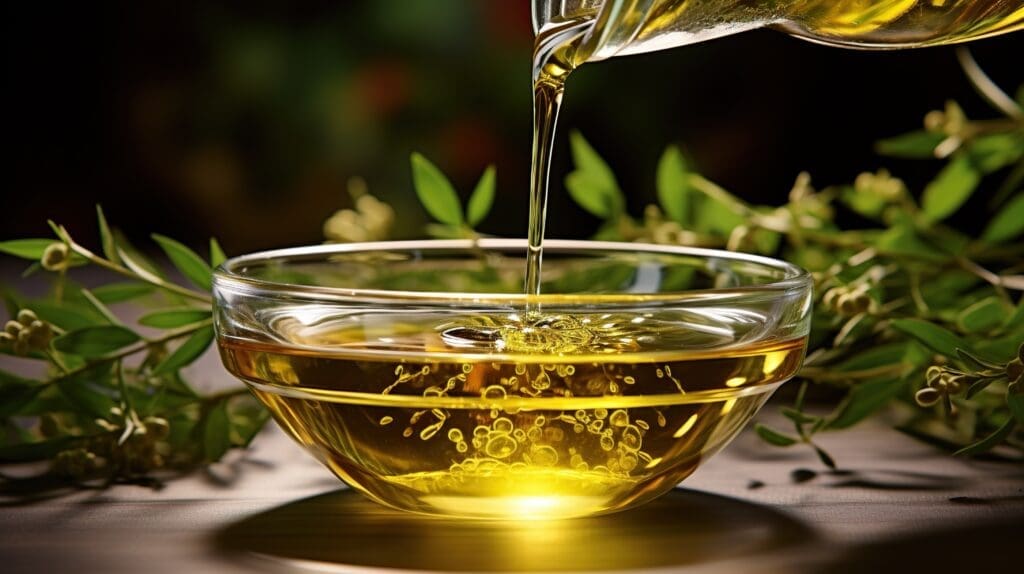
x=227, y=275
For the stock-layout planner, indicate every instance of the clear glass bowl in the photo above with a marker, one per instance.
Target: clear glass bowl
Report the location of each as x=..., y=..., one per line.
x=421, y=375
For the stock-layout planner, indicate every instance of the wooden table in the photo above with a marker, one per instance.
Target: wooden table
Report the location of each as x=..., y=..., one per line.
x=900, y=506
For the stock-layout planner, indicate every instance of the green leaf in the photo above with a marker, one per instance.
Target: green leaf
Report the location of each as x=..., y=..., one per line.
x=947, y=289
x=33, y=451
x=65, y=315
x=95, y=341
x=715, y=216
x=216, y=253
x=216, y=432
x=246, y=422
x=950, y=189
x=135, y=260
x=442, y=231
x=798, y=417
x=435, y=191
x=592, y=185
x=672, y=186
x=993, y=152
x=189, y=351
x=866, y=204
x=171, y=318
x=914, y=145
x=1008, y=222
x=873, y=357
x=192, y=266
x=983, y=315
x=976, y=363
x=1017, y=317
x=124, y=291
x=991, y=441
x=1015, y=400
x=99, y=307
x=932, y=336
x=587, y=160
x=106, y=237
x=774, y=437
x=591, y=194
x=14, y=397
x=483, y=197
x=26, y=248
x=863, y=400
x=88, y=396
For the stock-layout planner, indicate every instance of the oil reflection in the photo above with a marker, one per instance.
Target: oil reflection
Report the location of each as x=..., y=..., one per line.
x=342, y=530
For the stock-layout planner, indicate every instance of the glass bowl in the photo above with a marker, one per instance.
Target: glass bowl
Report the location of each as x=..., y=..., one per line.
x=422, y=376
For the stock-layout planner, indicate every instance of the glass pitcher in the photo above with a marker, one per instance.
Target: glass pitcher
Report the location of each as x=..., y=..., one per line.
x=621, y=27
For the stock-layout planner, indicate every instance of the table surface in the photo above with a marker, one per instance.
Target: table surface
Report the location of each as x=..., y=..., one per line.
x=899, y=506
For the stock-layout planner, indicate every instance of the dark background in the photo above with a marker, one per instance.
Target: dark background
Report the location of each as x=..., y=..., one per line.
x=244, y=120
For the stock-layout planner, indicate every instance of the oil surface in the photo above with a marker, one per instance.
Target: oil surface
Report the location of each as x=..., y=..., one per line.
x=508, y=416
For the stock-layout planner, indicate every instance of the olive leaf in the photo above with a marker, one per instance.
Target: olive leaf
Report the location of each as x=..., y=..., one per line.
x=135, y=260
x=672, y=185
x=217, y=432
x=934, y=337
x=1008, y=222
x=1015, y=400
x=65, y=314
x=592, y=185
x=863, y=401
x=982, y=315
x=192, y=266
x=95, y=341
x=435, y=192
x=216, y=253
x=482, y=198
x=106, y=237
x=989, y=442
x=774, y=437
x=188, y=352
x=123, y=291
x=171, y=318
x=26, y=248
x=915, y=145
x=14, y=398
x=950, y=189
x=33, y=451
x=992, y=152
x=83, y=392
x=716, y=216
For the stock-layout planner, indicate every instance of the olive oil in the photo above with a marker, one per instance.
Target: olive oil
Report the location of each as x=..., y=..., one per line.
x=563, y=416
x=862, y=24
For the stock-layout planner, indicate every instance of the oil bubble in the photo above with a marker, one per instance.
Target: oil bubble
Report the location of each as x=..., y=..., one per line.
x=631, y=438
x=544, y=455
x=494, y=392
x=619, y=418
x=501, y=446
x=503, y=425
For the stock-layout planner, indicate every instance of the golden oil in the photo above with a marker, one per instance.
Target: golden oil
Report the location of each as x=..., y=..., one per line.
x=849, y=23
x=497, y=417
